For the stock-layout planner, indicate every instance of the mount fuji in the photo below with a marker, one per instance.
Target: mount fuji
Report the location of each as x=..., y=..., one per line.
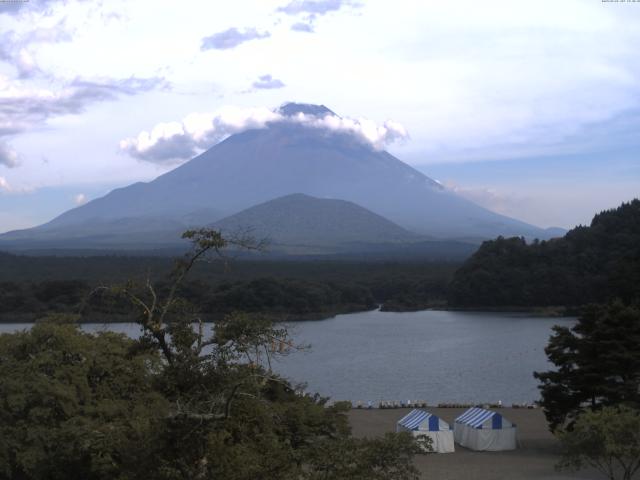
x=259, y=165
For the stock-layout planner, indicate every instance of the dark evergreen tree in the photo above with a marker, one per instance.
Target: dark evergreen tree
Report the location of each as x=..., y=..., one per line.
x=598, y=364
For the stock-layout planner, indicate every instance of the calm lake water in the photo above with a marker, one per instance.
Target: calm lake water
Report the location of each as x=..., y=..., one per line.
x=437, y=356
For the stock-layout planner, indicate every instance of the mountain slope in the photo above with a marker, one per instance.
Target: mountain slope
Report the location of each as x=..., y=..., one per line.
x=299, y=219
x=256, y=166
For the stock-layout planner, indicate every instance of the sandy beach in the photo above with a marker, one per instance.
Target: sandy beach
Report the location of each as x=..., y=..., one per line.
x=534, y=459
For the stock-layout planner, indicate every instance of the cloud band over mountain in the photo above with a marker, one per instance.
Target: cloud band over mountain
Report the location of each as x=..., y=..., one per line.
x=176, y=141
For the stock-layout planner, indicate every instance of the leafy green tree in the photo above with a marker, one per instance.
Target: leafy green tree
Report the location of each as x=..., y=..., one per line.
x=607, y=440
x=74, y=405
x=387, y=458
x=237, y=419
x=181, y=402
x=598, y=364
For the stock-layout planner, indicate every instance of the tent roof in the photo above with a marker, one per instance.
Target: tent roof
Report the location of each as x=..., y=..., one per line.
x=475, y=417
x=415, y=418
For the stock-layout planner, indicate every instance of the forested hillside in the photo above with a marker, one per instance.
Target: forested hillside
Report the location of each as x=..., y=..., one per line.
x=589, y=264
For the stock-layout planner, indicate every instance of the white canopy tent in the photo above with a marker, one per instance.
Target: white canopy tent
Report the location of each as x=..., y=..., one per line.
x=480, y=429
x=421, y=423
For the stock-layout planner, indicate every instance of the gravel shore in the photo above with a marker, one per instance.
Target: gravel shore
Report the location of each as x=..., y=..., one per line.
x=535, y=458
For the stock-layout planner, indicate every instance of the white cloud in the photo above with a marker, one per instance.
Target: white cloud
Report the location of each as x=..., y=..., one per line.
x=8, y=156
x=316, y=7
x=24, y=108
x=18, y=7
x=172, y=141
x=308, y=11
x=4, y=185
x=368, y=131
x=30, y=93
x=489, y=197
x=267, y=82
x=175, y=141
x=231, y=38
x=80, y=199
x=9, y=187
x=306, y=27
x=17, y=49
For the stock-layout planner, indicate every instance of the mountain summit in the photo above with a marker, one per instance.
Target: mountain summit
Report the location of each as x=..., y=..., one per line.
x=259, y=165
x=292, y=108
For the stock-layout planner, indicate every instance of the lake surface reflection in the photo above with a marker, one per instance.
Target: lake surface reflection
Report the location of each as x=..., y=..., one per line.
x=437, y=356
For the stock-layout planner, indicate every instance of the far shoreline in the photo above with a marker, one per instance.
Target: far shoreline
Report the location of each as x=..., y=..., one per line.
x=539, y=311
x=542, y=312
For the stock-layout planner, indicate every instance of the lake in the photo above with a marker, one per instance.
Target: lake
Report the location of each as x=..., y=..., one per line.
x=436, y=356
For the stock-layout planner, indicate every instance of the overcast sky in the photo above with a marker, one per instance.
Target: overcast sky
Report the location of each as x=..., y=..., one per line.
x=530, y=108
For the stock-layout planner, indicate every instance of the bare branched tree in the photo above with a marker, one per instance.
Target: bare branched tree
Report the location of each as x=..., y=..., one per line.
x=240, y=344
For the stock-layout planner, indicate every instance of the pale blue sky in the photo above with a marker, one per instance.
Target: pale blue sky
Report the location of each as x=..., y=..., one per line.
x=530, y=108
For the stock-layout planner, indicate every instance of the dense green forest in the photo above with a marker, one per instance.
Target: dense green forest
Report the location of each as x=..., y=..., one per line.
x=590, y=264
x=33, y=286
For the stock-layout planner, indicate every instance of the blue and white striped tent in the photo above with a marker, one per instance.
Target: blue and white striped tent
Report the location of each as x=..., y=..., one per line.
x=422, y=423
x=480, y=429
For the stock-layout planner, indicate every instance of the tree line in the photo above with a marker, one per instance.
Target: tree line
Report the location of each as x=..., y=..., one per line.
x=283, y=297
x=590, y=264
